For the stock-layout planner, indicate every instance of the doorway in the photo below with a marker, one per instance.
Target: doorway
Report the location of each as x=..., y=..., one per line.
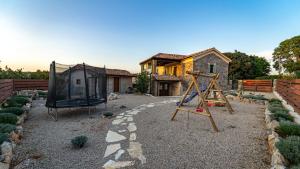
x=116, y=84
x=163, y=89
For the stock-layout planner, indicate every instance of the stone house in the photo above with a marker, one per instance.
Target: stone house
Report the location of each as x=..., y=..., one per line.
x=168, y=71
x=119, y=81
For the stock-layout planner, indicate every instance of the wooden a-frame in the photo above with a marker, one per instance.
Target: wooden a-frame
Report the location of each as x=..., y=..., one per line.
x=202, y=97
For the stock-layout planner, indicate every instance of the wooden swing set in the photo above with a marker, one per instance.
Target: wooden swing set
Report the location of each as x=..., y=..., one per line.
x=202, y=107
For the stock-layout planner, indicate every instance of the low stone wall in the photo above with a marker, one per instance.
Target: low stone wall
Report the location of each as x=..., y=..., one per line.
x=15, y=138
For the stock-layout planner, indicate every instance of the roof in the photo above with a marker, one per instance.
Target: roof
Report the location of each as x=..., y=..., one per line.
x=196, y=55
x=118, y=72
x=165, y=77
x=206, y=52
x=168, y=56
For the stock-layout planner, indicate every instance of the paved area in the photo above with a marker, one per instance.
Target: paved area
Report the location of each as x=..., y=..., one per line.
x=142, y=136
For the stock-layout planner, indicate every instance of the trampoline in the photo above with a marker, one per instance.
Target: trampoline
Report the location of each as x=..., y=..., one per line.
x=73, y=86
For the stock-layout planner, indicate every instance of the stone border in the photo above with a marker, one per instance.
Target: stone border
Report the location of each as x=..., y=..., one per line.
x=277, y=160
x=246, y=100
x=15, y=138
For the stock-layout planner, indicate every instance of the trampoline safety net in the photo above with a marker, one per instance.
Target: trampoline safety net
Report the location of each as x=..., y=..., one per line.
x=76, y=86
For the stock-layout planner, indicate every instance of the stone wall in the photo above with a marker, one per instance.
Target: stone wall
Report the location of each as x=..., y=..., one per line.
x=202, y=64
x=124, y=81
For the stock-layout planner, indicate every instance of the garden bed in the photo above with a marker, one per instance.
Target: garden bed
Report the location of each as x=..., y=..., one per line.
x=13, y=113
x=284, y=137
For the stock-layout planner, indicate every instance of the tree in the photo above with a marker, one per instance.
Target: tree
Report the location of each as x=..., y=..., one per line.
x=142, y=82
x=287, y=55
x=245, y=66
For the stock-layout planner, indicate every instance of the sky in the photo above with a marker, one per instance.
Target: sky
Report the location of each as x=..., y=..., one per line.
x=121, y=33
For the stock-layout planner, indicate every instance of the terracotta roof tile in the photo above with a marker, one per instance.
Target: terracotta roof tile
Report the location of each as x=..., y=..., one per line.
x=176, y=57
x=118, y=72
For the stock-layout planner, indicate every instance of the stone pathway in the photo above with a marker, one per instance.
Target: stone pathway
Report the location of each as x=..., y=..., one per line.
x=124, y=122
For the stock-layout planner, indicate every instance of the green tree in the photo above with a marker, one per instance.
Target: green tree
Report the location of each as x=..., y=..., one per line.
x=142, y=82
x=245, y=66
x=287, y=55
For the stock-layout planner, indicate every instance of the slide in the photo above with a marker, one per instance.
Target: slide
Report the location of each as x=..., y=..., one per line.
x=192, y=95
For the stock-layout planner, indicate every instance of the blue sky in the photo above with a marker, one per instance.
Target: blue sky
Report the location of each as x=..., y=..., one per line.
x=121, y=33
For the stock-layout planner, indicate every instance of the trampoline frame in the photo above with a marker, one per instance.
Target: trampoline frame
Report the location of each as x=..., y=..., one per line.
x=75, y=103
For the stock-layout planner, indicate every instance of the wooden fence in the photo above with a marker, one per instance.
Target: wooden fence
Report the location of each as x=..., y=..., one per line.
x=290, y=91
x=6, y=89
x=258, y=85
x=30, y=84
x=8, y=86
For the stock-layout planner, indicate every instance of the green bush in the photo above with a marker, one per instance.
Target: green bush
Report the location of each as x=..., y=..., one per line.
x=7, y=128
x=79, y=141
x=277, y=108
x=295, y=167
x=287, y=128
x=275, y=101
x=11, y=103
x=290, y=149
x=20, y=100
x=14, y=110
x=142, y=82
x=8, y=118
x=255, y=97
x=278, y=115
x=3, y=137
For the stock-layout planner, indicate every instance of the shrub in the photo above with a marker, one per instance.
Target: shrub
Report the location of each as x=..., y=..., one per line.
x=79, y=141
x=14, y=110
x=287, y=128
x=274, y=101
x=295, y=167
x=20, y=100
x=8, y=118
x=3, y=137
x=11, y=103
x=255, y=97
x=7, y=128
x=277, y=108
x=290, y=148
x=142, y=82
x=278, y=115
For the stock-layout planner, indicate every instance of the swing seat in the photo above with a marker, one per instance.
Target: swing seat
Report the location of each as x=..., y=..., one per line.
x=200, y=109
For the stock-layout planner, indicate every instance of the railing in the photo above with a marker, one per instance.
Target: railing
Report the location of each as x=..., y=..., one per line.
x=290, y=91
x=258, y=85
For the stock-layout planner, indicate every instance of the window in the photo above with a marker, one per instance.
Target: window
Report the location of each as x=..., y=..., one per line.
x=211, y=68
x=78, y=81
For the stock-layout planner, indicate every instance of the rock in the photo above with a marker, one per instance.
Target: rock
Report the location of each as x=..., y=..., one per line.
x=6, y=149
x=19, y=131
x=278, y=167
x=4, y=166
x=273, y=124
x=15, y=137
x=113, y=96
x=271, y=142
x=278, y=159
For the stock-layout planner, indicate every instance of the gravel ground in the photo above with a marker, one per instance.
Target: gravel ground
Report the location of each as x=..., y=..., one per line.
x=184, y=143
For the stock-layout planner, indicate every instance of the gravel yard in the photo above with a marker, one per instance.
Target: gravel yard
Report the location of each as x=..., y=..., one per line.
x=152, y=140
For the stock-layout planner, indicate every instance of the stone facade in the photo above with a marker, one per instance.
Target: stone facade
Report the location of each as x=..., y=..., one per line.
x=124, y=83
x=220, y=66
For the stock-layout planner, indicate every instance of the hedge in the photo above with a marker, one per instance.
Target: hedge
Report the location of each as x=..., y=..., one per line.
x=290, y=149
x=278, y=115
x=3, y=137
x=7, y=128
x=287, y=128
x=8, y=118
x=14, y=110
